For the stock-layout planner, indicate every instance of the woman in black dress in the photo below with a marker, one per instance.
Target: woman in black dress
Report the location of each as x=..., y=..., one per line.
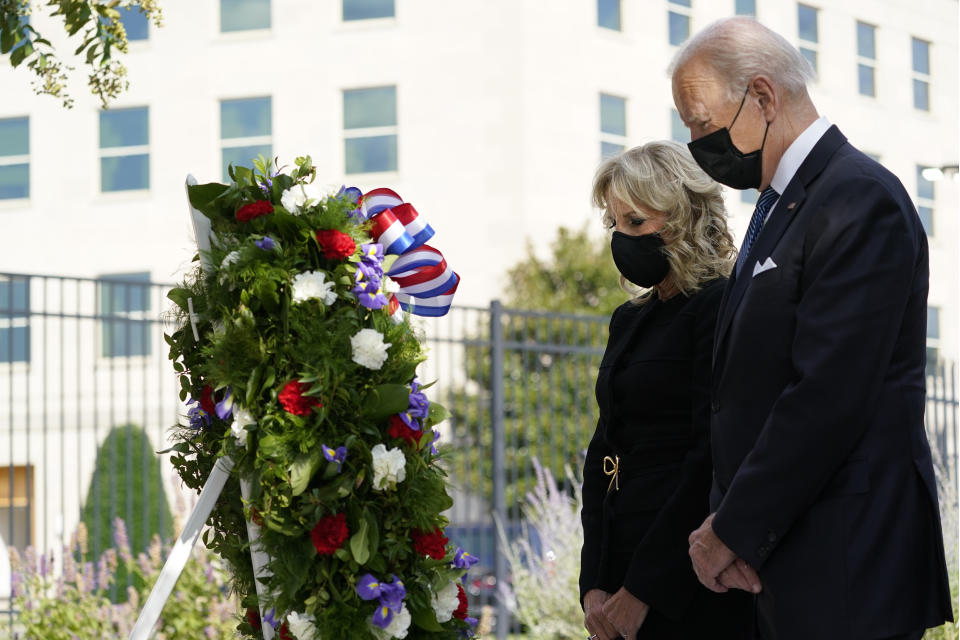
x=647, y=475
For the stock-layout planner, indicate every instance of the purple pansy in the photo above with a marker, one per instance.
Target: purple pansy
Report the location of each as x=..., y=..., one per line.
x=337, y=455
x=463, y=559
x=266, y=243
x=224, y=408
x=368, y=587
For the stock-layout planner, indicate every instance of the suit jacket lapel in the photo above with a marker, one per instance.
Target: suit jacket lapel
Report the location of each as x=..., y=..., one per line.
x=778, y=222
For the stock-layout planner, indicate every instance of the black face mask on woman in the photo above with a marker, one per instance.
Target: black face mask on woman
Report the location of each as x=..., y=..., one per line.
x=640, y=259
x=722, y=161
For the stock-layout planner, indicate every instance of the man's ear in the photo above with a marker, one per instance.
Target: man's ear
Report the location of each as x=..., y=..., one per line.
x=762, y=89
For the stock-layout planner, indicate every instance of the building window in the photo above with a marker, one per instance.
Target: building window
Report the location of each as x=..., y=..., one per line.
x=925, y=200
x=367, y=9
x=866, y=59
x=933, y=338
x=678, y=21
x=613, y=125
x=14, y=319
x=246, y=127
x=16, y=502
x=134, y=22
x=244, y=15
x=808, y=33
x=921, y=74
x=14, y=158
x=608, y=14
x=370, y=129
x=745, y=8
x=124, y=149
x=125, y=307
x=678, y=130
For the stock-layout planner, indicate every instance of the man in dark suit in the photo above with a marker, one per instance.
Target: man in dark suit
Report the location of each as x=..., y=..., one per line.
x=824, y=500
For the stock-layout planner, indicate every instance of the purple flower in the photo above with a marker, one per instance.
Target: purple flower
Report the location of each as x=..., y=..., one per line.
x=350, y=194
x=266, y=243
x=225, y=407
x=121, y=540
x=463, y=559
x=383, y=616
x=197, y=416
x=371, y=254
x=368, y=587
x=433, y=445
x=337, y=455
x=367, y=278
x=392, y=594
x=270, y=618
x=418, y=407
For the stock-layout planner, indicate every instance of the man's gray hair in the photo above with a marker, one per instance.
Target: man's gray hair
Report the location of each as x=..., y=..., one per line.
x=739, y=49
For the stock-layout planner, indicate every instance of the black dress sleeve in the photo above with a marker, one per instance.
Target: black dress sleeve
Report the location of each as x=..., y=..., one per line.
x=660, y=573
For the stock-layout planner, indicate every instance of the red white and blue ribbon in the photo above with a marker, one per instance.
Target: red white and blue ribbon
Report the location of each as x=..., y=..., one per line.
x=426, y=283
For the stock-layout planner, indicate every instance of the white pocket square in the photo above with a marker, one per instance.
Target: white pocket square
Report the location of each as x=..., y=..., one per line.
x=766, y=265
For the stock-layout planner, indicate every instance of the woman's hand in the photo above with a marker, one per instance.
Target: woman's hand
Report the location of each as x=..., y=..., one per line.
x=625, y=613
x=594, y=619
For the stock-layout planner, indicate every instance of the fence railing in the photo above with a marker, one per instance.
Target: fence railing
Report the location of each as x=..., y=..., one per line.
x=87, y=396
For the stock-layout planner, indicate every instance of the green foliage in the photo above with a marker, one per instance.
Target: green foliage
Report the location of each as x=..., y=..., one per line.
x=127, y=475
x=549, y=367
x=72, y=601
x=258, y=334
x=103, y=35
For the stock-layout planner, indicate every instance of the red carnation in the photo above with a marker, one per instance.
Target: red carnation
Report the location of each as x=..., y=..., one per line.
x=461, y=612
x=206, y=401
x=253, y=617
x=285, y=632
x=329, y=533
x=335, y=244
x=431, y=543
x=253, y=210
x=399, y=429
x=293, y=400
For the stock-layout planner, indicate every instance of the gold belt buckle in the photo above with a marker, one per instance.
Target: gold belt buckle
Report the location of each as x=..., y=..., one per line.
x=611, y=467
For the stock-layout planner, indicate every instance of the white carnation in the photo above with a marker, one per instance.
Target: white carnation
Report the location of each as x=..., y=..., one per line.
x=397, y=627
x=389, y=286
x=228, y=260
x=241, y=418
x=294, y=198
x=313, y=284
x=445, y=602
x=301, y=626
x=369, y=349
x=389, y=467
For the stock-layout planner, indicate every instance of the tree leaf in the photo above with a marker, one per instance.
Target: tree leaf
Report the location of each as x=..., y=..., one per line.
x=359, y=543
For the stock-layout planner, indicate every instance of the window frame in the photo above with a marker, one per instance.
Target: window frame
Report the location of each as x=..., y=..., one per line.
x=812, y=46
x=609, y=138
x=920, y=77
x=370, y=132
x=13, y=318
x=619, y=7
x=236, y=142
x=867, y=62
x=243, y=32
x=932, y=343
x=737, y=12
x=681, y=10
x=122, y=151
x=129, y=318
x=345, y=20
x=14, y=160
x=925, y=202
x=19, y=496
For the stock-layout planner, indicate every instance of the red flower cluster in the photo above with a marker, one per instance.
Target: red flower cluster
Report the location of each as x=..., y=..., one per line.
x=293, y=400
x=206, y=401
x=336, y=245
x=284, y=632
x=461, y=612
x=253, y=617
x=252, y=210
x=430, y=543
x=399, y=429
x=329, y=533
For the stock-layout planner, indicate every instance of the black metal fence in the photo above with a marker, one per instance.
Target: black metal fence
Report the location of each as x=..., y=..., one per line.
x=87, y=395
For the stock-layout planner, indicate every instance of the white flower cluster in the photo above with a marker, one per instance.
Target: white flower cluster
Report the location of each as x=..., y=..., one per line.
x=228, y=260
x=294, y=198
x=302, y=626
x=241, y=418
x=445, y=602
x=369, y=349
x=397, y=627
x=389, y=467
x=313, y=285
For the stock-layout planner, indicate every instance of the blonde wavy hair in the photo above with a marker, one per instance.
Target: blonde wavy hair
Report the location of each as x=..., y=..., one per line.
x=662, y=176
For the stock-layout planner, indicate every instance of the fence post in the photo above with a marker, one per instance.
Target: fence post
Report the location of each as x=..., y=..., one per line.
x=497, y=411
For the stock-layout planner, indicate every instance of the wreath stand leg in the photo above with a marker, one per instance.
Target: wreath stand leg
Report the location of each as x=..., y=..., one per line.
x=212, y=489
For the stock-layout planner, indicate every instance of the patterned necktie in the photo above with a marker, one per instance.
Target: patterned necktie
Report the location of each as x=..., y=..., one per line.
x=764, y=202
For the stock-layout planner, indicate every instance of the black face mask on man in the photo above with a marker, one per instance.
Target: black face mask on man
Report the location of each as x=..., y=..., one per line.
x=722, y=161
x=640, y=259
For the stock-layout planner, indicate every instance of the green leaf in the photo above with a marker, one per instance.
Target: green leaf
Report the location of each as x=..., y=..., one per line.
x=203, y=195
x=436, y=414
x=373, y=532
x=359, y=545
x=385, y=400
x=303, y=469
x=425, y=618
x=179, y=296
x=253, y=384
x=21, y=53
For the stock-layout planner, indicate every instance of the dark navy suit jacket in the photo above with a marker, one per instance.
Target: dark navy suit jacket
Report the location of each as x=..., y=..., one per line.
x=823, y=478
